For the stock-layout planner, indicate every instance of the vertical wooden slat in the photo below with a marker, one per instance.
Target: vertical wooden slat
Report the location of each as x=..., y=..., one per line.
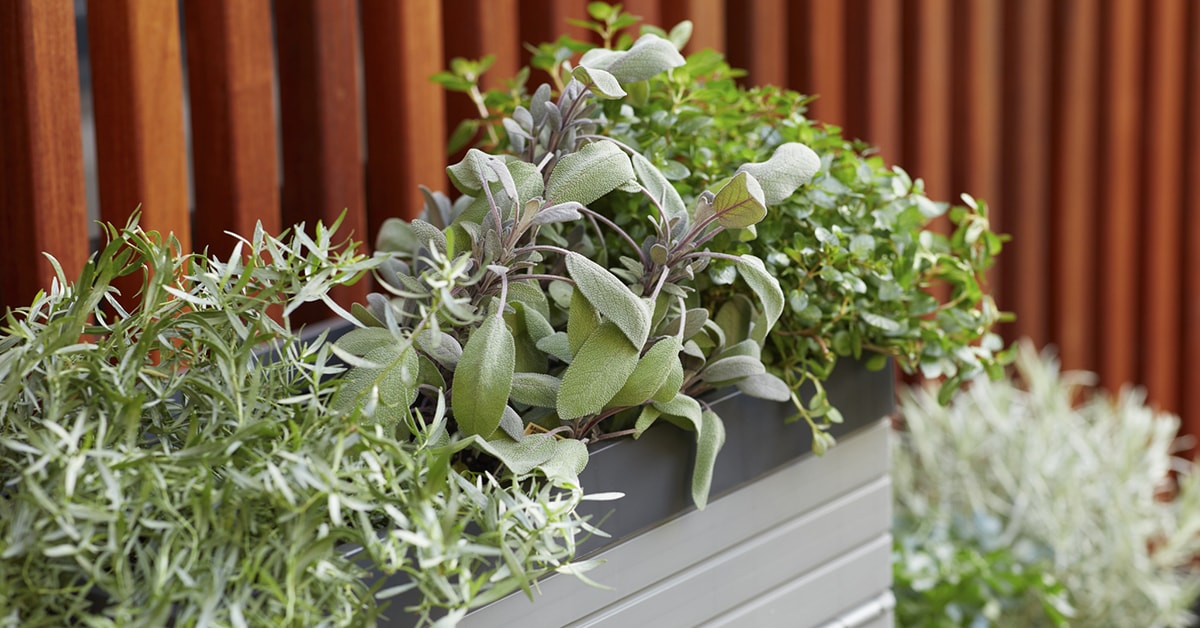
x=42, y=205
x=1119, y=192
x=977, y=71
x=708, y=22
x=230, y=80
x=545, y=20
x=319, y=117
x=649, y=10
x=137, y=92
x=1073, y=195
x=1191, y=251
x=1163, y=218
x=822, y=48
x=757, y=38
x=1026, y=164
x=884, y=28
x=406, y=146
x=927, y=112
x=480, y=28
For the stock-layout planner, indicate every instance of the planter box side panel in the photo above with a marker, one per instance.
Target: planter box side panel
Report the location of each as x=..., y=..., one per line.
x=812, y=536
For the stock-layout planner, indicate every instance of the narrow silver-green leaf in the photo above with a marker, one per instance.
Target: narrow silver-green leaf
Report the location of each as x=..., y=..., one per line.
x=766, y=288
x=599, y=370
x=646, y=418
x=535, y=389
x=732, y=368
x=791, y=166
x=604, y=85
x=588, y=173
x=765, y=386
x=483, y=379
x=740, y=203
x=613, y=299
x=658, y=186
x=648, y=57
x=682, y=406
x=651, y=373
x=709, y=441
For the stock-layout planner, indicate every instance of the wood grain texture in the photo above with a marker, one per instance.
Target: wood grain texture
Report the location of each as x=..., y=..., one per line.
x=319, y=117
x=1026, y=286
x=406, y=144
x=1119, y=192
x=1073, y=194
x=976, y=166
x=708, y=22
x=822, y=51
x=884, y=77
x=1190, y=406
x=137, y=92
x=42, y=204
x=478, y=29
x=757, y=40
x=1161, y=303
x=231, y=87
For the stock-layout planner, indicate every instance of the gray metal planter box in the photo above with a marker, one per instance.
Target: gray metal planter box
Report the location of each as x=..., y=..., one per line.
x=790, y=539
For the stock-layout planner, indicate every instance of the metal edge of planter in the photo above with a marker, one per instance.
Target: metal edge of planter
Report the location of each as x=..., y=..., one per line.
x=654, y=472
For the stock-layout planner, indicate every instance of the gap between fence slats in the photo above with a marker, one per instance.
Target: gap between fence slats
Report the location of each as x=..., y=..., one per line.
x=1120, y=102
x=1162, y=190
x=42, y=205
x=708, y=22
x=757, y=40
x=230, y=81
x=137, y=92
x=406, y=143
x=1073, y=198
x=319, y=118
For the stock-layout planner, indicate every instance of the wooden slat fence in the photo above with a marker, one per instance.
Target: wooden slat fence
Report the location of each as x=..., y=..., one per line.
x=1077, y=120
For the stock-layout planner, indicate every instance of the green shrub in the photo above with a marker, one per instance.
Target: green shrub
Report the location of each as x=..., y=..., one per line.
x=1091, y=495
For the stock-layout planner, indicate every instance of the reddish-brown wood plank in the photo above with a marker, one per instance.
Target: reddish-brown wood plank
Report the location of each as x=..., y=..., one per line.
x=545, y=20
x=649, y=10
x=1191, y=250
x=137, y=92
x=1073, y=195
x=1119, y=193
x=230, y=80
x=883, y=75
x=1161, y=314
x=977, y=71
x=319, y=118
x=42, y=204
x=480, y=28
x=708, y=22
x=822, y=51
x=406, y=144
x=927, y=103
x=1026, y=165
x=757, y=38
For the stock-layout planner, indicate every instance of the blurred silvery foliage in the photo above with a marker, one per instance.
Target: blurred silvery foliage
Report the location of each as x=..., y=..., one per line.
x=1073, y=485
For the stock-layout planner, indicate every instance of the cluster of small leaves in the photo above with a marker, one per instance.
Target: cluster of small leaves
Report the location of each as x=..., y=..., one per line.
x=1092, y=486
x=855, y=248
x=550, y=322
x=956, y=575
x=158, y=466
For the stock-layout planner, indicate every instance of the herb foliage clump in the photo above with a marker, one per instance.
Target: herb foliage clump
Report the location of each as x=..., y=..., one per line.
x=854, y=249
